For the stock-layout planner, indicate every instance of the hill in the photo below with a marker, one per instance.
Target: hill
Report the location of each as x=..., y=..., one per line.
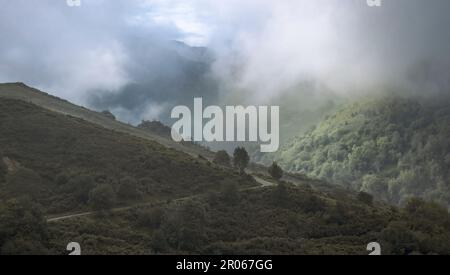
x=59, y=159
x=22, y=92
x=393, y=148
x=286, y=220
x=68, y=174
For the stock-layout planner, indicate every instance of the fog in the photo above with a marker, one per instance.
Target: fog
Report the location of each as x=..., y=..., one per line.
x=123, y=55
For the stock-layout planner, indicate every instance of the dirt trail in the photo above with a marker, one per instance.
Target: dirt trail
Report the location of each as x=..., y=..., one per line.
x=263, y=183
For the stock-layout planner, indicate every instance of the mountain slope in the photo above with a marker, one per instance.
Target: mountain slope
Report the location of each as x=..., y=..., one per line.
x=58, y=160
x=22, y=92
x=393, y=148
x=146, y=198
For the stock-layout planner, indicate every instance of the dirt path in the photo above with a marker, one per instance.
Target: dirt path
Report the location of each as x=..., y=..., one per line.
x=263, y=183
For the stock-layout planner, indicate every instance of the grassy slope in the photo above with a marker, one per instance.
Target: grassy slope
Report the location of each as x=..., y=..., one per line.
x=61, y=149
x=24, y=93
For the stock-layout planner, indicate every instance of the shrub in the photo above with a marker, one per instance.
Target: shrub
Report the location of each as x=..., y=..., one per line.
x=128, y=189
x=365, y=198
x=102, y=197
x=222, y=158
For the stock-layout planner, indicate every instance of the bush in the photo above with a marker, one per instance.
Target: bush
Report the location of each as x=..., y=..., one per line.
x=400, y=239
x=222, y=158
x=230, y=193
x=159, y=242
x=80, y=186
x=152, y=218
x=102, y=197
x=365, y=198
x=128, y=189
x=23, y=229
x=280, y=194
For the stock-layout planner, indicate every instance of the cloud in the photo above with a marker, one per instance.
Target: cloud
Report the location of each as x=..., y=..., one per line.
x=121, y=54
x=345, y=45
x=72, y=51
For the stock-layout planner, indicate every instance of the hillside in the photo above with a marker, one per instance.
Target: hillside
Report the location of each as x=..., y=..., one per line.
x=273, y=220
x=393, y=148
x=24, y=93
x=133, y=195
x=59, y=159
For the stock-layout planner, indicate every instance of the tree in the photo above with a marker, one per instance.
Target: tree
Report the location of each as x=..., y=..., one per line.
x=241, y=159
x=222, y=158
x=102, y=197
x=275, y=171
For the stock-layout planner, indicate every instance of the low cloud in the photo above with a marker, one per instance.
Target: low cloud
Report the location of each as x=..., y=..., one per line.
x=123, y=55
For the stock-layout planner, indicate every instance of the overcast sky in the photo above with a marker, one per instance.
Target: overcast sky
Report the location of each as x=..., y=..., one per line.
x=262, y=48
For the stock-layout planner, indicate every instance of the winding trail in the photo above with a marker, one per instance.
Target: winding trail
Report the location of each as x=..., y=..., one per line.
x=263, y=183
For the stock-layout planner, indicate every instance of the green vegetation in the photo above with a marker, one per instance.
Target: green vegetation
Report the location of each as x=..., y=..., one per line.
x=392, y=148
x=241, y=159
x=58, y=160
x=222, y=158
x=102, y=197
x=161, y=201
x=275, y=171
x=306, y=222
x=23, y=229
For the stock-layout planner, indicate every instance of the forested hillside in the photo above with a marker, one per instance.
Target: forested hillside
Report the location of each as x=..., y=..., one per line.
x=393, y=148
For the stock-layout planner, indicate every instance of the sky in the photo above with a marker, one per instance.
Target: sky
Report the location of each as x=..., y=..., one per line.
x=122, y=55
